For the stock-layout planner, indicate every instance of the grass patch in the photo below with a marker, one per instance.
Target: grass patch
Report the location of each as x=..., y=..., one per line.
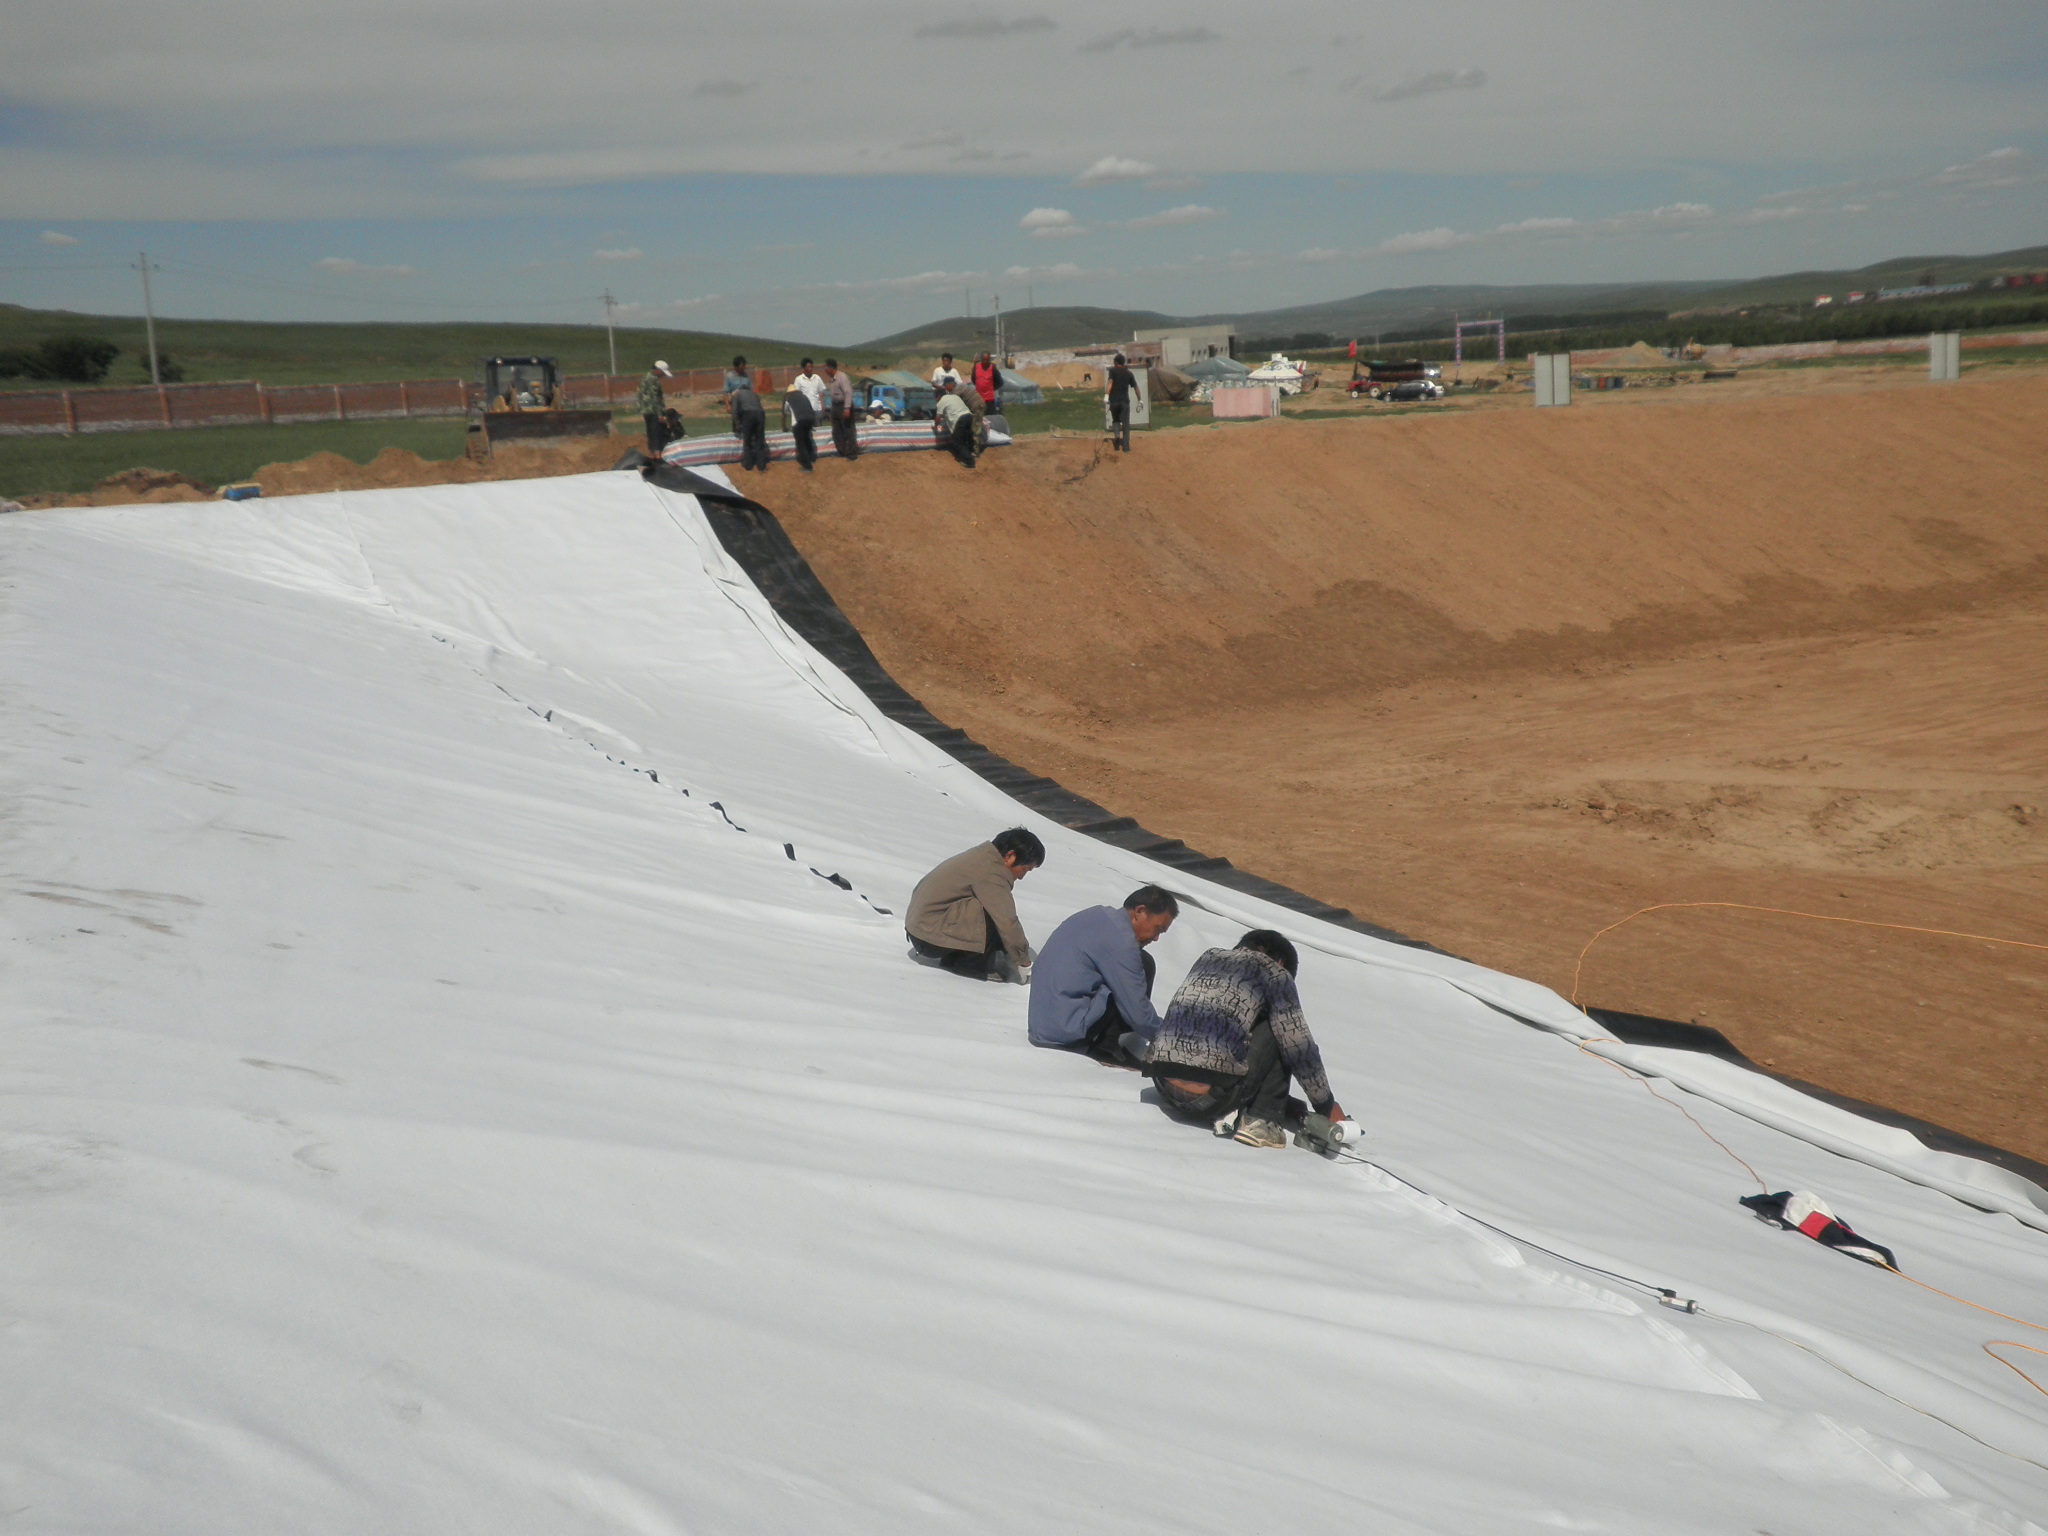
x=31, y=466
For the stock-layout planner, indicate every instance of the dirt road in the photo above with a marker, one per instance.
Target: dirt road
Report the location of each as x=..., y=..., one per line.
x=1499, y=678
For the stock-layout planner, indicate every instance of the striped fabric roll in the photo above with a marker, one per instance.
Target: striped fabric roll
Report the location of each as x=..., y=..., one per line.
x=875, y=437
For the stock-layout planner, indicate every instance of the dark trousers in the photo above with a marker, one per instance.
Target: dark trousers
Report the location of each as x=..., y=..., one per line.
x=976, y=965
x=961, y=441
x=844, y=439
x=1120, y=423
x=753, y=435
x=805, y=433
x=1261, y=1092
x=657, y=435
x=1104, y=1040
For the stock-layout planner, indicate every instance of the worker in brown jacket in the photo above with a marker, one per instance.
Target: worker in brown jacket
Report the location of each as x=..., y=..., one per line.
x=961, y=917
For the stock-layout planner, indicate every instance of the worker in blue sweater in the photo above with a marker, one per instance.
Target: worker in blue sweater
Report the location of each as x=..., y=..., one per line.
x=1092, y=983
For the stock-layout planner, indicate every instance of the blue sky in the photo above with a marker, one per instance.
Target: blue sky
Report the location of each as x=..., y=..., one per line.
x=832, y=173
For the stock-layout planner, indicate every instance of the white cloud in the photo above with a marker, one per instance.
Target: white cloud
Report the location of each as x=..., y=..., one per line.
x=2000, y=168
x=1681, y=213
x=58, y=237
x=1050, y=224
x=1320, y=253
x=1189, y=213
x=1439, y=239
x=915, y=282
x=1149, y=37
x=672, y=307
x=984, y=26
x=1060, y=272
x=723, y=87
x=342, y=266
x=1436, y=81
x=631, y=253
x=1114, y=168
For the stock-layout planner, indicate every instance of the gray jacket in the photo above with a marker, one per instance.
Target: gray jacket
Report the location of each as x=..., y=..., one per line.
x=947, y=906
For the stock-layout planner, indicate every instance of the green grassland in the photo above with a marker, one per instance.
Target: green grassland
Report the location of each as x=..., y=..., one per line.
x=43, y=466
x=59, y=465
x=312, y=352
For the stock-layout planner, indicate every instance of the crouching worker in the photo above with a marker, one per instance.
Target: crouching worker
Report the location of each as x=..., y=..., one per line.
x=1093, y=982
x=1234, y=1034
x=961, y=916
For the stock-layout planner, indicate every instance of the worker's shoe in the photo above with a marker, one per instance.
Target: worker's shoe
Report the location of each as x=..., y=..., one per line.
x=1254, y=1132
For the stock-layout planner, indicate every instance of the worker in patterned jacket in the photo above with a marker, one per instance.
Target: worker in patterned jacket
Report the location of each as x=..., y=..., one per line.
x=653, y=403
x=1233, y=1035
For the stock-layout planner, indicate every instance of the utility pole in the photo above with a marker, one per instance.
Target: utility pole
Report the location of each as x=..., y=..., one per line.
x=148, y=315
x=611, y=341
x=997, y=300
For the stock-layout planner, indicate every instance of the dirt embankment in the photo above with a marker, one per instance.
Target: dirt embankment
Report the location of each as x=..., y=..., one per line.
x=1498, y=678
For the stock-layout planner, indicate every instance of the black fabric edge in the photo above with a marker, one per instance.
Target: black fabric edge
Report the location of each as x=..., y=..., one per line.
x=755, y=538
x=1643, y=1029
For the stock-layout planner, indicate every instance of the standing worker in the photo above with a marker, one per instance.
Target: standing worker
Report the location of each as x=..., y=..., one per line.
x=749, y=425
x=813, y=387
x=954, y=425
x=1118, y=387
x=839, y=396
x=988, y=382
x=653, y=409
x=736, y=377
x=945, y=373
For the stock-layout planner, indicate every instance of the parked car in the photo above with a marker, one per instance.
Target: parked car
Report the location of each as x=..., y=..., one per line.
x=1378, y=379
x=1415, y=389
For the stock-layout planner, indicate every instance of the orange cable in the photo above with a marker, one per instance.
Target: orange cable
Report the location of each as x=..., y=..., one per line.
x=1819, y=917
x=2023, y=1376
x=1653, y=1093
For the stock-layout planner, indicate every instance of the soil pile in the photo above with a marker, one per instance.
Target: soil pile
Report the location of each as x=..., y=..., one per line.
x=132, y=486
x=1499, y=677
x=402, y=467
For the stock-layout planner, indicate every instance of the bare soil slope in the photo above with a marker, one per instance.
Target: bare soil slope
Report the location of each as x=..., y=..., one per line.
x=1498, y=678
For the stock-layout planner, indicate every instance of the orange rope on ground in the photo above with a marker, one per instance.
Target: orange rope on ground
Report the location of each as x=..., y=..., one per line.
x=1818, y=917
x=2023, y=1376
x=2005, y=1343
x=1653, y=1093
x=1858, y=922
x=2037, y=1327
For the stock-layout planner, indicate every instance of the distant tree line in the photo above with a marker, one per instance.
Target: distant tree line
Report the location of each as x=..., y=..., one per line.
x=75, y=359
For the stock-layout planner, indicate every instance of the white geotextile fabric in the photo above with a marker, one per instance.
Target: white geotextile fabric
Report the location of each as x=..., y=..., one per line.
x=442, y=1097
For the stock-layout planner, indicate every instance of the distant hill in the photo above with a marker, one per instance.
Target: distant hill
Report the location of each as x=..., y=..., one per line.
x=1024, y=330
x=1429, y=309
x=1899, y=272
x=345, y=352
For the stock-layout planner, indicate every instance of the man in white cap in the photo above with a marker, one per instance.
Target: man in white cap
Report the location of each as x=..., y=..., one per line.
x=652, y=404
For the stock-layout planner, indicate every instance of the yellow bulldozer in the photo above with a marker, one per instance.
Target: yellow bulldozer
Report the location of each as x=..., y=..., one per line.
x=518, y=400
